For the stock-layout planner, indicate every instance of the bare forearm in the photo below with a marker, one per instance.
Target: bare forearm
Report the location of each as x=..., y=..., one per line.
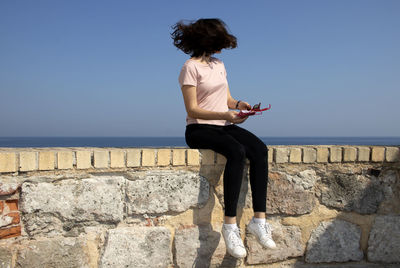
x=232, y=103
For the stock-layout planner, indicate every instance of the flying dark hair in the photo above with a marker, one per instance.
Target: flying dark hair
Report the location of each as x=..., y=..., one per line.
x=204, y=36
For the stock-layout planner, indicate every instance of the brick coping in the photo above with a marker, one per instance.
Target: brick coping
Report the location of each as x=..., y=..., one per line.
x=66, y=158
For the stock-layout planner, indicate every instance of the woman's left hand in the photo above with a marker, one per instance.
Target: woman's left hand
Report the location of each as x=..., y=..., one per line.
x=244, y=106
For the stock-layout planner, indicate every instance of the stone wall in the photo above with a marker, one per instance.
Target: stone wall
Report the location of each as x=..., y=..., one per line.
x=330, y=206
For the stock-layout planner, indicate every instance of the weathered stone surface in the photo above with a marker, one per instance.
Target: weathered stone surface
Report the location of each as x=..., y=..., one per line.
x=60, y=252
x=8, y=188
x=334, y=241
x=46, y=205
x=5, y=257
x=391, y=182
x=310, y=155
x=281, y=155
x=287, y=239
x=295, y=155
x=166, y=191
x=384, y=240
x=137, y=247
x=195, y=245
x=352, y=192
x=289, y=194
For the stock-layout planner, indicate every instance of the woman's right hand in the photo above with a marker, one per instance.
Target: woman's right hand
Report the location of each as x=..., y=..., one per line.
x=232, y=116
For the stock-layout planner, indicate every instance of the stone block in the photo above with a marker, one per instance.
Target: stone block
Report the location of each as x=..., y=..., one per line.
x=322, y=154
x=281, y=155
x=8, y=188
x=148, y=158
x=178, y=157
x=384, y=240
x=363, y=154
x=207, y=157
x=133, y=157
x=193, y=157
x=349, y=154
x=378, y=154
x=139, y=247
x=83, y=159
x=221, y=160
x=392, y=154
x=10, y=232
x=334, y=241
x=8, y=162
x=163, y=157
x=6, y=257
x=117, y=159
x=166, y=191
x=310, y=155
x=335, y=154
x=288, y=245
x=65, y=160
x=101, y=159
x=27, y=161
x=50, y=207
x=270, y=154
x=60, y=252
x=295, y=155
x=46, y=160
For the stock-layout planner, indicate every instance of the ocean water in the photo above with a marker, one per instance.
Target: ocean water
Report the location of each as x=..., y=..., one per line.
x=180, y=141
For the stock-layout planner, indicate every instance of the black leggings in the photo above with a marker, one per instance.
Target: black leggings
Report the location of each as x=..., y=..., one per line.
x=235, y=143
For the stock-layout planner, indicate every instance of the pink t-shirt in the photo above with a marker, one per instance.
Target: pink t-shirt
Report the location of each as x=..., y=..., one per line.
x=211, y=87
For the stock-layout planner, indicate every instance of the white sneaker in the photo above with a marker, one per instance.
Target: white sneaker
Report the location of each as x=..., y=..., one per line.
x=263, y=232
x=233, y=242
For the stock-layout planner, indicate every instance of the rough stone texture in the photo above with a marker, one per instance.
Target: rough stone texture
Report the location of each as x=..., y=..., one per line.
x=8, y=188
x=48, y=206
x=392, y=154
x=207, y=157
x=322, y=154
x=117, y=159
x=193, y=157
x=391, y=183
x=270, y=155
x=350, y=154
x=8, y=162
x=335, y=154
x=352, y=192
x=195, y=245
x=310, y=155
x=27, y=161
x=60, y=252
x=133, y=157
x=101, y=159
x=295, y=155
x=166, y=191
x=378, y=154
x=281, y=155
x=46, y=160
x=139, y=247
x=65, y=160
x=5, y=257
x=287, y=239
x=289, y=194
x=363, y=154
x=163, y=157
x=178, y=157
x=384, y=240
x=334, y=241
x=83, y=159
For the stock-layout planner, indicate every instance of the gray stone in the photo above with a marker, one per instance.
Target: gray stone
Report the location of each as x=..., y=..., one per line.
x=288, y=242
x=166, y=191
x=195, y=245
x=137, y=247
x=6, y=257
x=334, y=241
x=384, y=240
x=306, y=179
x=391, y=184
x=49, y=205
x=56, y=252
x=351, y=192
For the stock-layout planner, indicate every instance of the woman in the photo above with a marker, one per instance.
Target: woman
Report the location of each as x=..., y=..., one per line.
x=211, y=125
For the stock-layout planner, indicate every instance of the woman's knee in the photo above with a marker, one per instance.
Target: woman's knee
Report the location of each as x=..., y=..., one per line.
x=237, y=153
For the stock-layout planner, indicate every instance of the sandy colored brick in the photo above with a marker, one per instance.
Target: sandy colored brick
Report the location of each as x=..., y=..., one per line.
x=163, y=157
x=133, y=157
x=309, y=155
x=281, y=155
x=178, y=157
x=322, y=154
x=46, y=160
x=117, y=158
x=83, y=159
x=193, y=157
x=101, y=159
x=27, y=161
x=221, y=160
x=207, y=157
x=335, y=154
x=363, y=154
x=378, y=154
x=295, y=155
x=65, y=160
x=8, y=162
x=392, y=154
x=270, y=154
x=148, y=158
x=349, y=154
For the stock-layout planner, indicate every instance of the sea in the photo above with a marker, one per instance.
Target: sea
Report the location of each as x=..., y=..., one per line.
x=157, y=142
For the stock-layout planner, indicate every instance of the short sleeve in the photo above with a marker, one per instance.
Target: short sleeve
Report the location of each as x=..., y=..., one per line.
x=188, y=76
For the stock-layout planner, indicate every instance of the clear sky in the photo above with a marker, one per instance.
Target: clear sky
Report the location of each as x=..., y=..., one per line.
x=108, y=68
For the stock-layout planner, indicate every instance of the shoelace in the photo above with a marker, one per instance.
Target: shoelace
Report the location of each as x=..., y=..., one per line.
x=234, y=237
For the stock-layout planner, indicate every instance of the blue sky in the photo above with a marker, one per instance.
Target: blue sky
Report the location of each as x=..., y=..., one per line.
x=108, y=68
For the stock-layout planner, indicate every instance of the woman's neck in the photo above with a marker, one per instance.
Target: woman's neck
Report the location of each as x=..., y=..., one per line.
x=203, y=59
